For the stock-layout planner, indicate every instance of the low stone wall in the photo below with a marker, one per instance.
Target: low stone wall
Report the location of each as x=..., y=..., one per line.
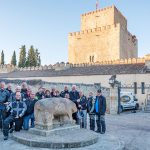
x=86, y=88
x=63, y=66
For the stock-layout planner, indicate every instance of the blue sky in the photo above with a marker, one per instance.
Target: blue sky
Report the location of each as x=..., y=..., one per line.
x=46, y=24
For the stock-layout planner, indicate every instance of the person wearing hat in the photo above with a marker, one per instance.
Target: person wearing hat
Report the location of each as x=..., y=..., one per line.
x=100, y=109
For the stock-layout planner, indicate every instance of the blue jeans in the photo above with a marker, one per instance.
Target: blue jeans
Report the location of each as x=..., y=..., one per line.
x=82, y=118
x=26, y=120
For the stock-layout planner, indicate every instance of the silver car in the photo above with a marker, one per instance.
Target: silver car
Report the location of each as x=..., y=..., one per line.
x=128, y=101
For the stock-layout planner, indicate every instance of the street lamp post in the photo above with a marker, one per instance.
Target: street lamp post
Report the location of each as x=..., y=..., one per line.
x=119, y=90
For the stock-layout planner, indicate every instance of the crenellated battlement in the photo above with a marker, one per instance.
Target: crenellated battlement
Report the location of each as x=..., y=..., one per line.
x=95, y=30
x=113, y=7
x=98, y=11
x=64, y=66
x=114, y=62
x=102, y=17
x=7, y=68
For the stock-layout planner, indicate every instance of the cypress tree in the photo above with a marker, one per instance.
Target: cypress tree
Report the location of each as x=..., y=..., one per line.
x=22, y=57
x=13, y=59
x=31, y=59
x=38, y=59
x=2, y=58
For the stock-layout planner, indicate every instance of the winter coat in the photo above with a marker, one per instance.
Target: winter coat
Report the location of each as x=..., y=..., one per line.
x=17, y=108
x=100, y=105
x=83, y=103
x=30, y=106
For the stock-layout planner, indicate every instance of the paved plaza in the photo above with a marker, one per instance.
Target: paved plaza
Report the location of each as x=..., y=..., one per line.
x=129, y=130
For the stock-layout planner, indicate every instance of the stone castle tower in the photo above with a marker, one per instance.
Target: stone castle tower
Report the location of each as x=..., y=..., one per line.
x=104, y=36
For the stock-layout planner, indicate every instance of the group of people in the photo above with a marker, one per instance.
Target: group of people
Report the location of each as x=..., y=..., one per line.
x=17, y=107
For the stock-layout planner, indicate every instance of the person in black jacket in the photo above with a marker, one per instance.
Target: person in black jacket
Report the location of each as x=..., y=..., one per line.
x=4, y=95
x=91, y=111
x=9, y=88
x=40, y=94
x=100, y=109
x=24, y=89
x=53, y=92
x=29, y=114
x=47, y=94
x=74, y=95
x=18, y=108
x=82, y=110
x=64, y=92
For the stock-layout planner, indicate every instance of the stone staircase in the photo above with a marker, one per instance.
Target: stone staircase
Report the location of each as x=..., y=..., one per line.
x=147, y=108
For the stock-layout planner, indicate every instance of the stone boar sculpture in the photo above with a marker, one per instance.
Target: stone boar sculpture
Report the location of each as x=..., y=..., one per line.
x=53, y=112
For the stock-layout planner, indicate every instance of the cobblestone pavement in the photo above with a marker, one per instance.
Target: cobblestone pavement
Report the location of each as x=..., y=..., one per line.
x=132, y=128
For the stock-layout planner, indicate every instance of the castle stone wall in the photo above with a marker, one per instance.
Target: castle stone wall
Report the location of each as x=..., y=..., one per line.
x=128, y=45
x=103, y=17
x=6, y=68
x=119, y=18
x=99, y=43
x=103, y=37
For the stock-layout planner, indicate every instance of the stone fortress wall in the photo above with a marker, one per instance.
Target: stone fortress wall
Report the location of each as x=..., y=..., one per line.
x=102, y=17
x=127, y=80
x=63, y=66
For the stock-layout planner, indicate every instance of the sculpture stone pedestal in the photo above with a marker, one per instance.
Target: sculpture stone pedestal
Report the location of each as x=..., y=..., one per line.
x=43, y=132
x=67, y=137
x=55, y=128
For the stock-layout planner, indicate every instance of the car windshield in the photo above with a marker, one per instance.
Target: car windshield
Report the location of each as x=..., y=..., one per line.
x=125, y=99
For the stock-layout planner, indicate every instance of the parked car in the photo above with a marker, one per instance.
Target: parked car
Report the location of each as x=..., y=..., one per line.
x=128, y=101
